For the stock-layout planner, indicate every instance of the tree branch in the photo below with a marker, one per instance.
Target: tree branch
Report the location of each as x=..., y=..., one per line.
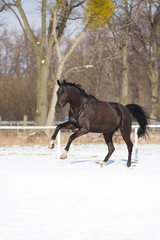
x=78, y=4
x=5, y=4
x=43, y=22
x=27, y=27
x=54, y=12
x=79, y=68
x=74, y=44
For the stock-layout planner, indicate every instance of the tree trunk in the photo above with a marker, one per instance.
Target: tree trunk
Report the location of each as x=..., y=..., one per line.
x=125, y=80
x=62, y=61
x=51, y=113
x=42, y=101
x=154, y=77
x=154, y=95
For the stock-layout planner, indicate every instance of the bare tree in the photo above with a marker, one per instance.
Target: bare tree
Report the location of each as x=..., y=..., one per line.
x=145, y=40
x=62, y=58
x=121, y=29
x=18, y=73
x=44, y=44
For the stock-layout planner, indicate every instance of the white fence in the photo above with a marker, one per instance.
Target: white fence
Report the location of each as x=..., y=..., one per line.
x=135, y=127
x=36, y=128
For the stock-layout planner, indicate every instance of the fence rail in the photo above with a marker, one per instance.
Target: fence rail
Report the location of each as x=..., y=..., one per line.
x=36, y=128
x=134, y=127
x=26, y=127
x=17, y=123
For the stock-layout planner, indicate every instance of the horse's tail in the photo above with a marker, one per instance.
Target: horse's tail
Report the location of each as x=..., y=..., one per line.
x=138, y=113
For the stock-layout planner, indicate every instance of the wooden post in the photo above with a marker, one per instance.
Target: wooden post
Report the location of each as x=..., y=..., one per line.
x=25, y=120
x=0, y=120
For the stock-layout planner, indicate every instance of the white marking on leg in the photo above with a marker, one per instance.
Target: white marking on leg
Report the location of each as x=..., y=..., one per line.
x=103, y=164
x=51, y=144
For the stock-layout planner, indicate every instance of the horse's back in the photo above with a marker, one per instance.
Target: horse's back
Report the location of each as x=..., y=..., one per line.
x=108, y=116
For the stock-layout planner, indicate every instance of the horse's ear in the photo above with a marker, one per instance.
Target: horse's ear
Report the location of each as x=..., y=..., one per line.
x=64, y=82
x=59, y=83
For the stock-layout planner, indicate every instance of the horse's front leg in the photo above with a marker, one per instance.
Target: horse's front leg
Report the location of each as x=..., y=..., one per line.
x=67, y=125
x=78, y=133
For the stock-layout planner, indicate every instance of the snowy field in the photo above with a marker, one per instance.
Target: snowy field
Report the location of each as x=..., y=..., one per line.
x=42, y=198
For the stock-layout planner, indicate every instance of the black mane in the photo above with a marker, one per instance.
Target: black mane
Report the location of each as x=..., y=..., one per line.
x=78, y=86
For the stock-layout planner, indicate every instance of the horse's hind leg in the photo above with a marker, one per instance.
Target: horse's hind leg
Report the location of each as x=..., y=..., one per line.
x=108, y=140
x=126, y=136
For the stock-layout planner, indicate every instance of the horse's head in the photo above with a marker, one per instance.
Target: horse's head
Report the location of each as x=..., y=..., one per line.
x=62, y=95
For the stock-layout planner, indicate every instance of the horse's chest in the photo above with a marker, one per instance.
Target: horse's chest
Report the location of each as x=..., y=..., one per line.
x=74, y=118
x=80, y=119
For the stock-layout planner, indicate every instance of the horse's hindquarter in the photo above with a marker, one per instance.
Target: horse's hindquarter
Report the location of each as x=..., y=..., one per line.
x=106, y=117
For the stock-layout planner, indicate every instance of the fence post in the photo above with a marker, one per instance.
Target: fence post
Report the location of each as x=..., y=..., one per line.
x=25, y=120
x=59, y=144
x=136, y=143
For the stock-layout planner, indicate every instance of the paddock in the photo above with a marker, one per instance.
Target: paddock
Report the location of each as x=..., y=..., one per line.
x=42, y=197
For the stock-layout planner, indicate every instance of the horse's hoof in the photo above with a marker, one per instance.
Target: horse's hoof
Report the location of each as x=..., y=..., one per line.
x=63, y=156
x=128, y=164
x=51, y=144
x=101, y=163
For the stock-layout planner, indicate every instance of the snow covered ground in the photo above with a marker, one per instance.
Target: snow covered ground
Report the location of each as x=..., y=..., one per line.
x=42, y=198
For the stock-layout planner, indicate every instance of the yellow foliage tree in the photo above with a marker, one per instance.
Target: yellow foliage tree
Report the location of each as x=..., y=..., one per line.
x=60, y=3
x=98, y=12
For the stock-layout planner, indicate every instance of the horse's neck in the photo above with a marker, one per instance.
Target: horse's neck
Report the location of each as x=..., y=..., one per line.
x=77, y=100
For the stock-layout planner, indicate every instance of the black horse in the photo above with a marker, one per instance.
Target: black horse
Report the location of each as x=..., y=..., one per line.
x=88, y=114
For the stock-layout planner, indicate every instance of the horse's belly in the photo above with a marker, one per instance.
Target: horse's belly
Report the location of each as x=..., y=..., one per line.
x=103, y=127
x=105, y=120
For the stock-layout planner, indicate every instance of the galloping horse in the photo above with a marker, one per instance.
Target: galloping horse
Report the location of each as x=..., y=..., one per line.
x=88, y=114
